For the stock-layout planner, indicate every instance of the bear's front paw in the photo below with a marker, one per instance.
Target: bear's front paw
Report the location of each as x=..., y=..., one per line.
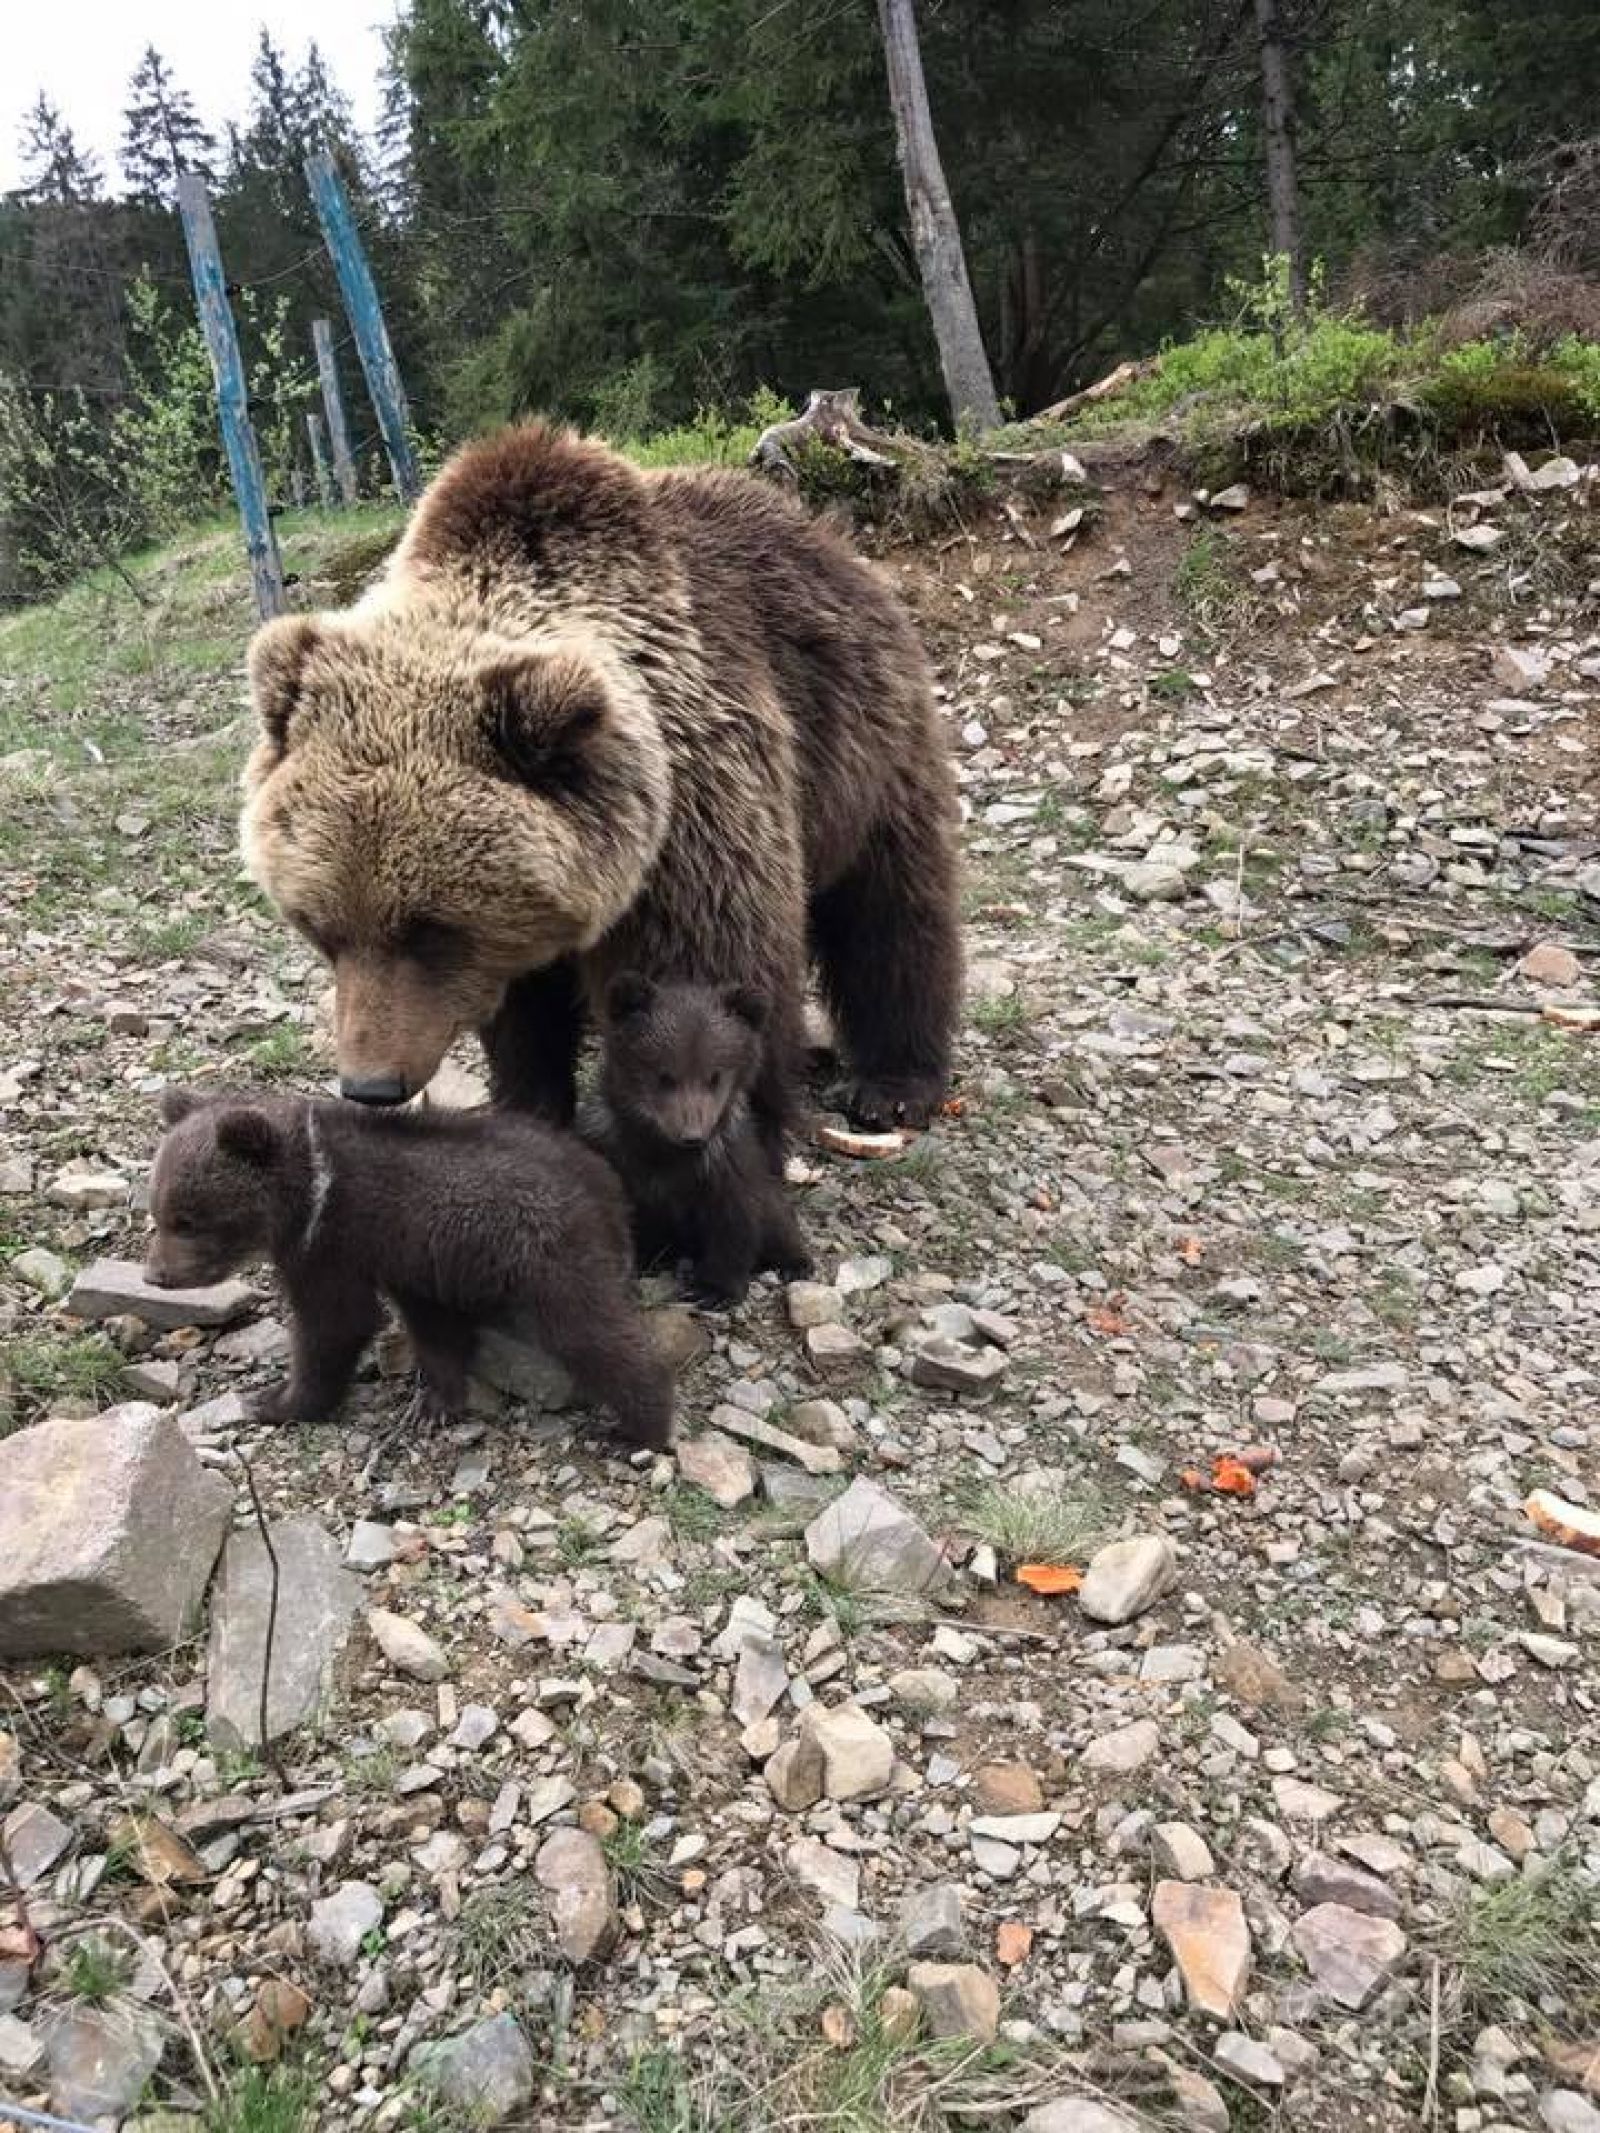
x=271, y=1404
x=878, y=1106
x=717, y=1292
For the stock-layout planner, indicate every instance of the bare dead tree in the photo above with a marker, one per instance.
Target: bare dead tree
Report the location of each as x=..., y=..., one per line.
x=1283, y=182
x=935, y=233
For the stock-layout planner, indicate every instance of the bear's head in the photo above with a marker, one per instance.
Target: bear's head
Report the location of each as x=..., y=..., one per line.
x=680, y=1059
x=216, y=1189
x=439, y=812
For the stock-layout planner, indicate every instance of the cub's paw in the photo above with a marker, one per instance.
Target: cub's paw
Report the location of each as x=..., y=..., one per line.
x=716, y=1293
x=429, y=1410
x=271, y=1404
x=878, y=1106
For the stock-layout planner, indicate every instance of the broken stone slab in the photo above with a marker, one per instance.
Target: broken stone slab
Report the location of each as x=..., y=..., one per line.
x=109, y=1527
x=1126, y=1577
x=1077, y=2114
x=1210, y=1942
x=1124, y=1750
x=713, y=1462
x=572, y=1868
x=407, y=1646
x=112, y=1288
x=868, y=1542
x=43, y=1271
x=1322, y=1879
x=81, y=1186
x=813, y=1458
x=341, y=1921
x=100, y=2058
x=931, y=1921
x=488, y=2072
x=34, y=1839
x=833, y=1351
x=794, y=1773
x=945, y=1365
x=317, y=1602
x=827, y=1873
x=1350, y=1954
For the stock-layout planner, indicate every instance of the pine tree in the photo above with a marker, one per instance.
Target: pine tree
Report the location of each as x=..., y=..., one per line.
x=55, y=171
x=162, y=136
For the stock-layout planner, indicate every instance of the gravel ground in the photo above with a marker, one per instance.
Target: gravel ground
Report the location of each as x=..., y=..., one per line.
x=658, y=1794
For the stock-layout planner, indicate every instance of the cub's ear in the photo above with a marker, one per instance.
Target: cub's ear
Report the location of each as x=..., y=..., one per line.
x=540, y=714
x=278, y=655
x=248, y=1135
x=629, y=993
x=178, y=1103
x=747, y=1004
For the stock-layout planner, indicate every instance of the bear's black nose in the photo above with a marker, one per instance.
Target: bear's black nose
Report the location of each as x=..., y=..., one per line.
x=373, y=1088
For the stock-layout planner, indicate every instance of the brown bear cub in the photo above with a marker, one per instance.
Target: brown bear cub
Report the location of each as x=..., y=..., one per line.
x=462, y=1221
x=679, y=1063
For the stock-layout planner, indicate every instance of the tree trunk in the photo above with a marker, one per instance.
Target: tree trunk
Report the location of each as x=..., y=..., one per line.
x=1283, y=186
x=935, y=234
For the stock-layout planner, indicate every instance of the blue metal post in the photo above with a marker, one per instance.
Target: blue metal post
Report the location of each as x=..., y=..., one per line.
x=344, y=466
x=233, y=408
x=360, y=293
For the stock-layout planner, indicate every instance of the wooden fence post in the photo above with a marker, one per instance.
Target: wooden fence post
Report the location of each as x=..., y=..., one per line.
x=319, y=458
x=233, y=412
x=360, y=293
x=344, y=465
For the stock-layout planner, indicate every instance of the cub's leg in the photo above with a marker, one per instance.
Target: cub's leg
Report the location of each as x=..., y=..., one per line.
x=532, y=1044
x=331, y=1321
x=444, y=1343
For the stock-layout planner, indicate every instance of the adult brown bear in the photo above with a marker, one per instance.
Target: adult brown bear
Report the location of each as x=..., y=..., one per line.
x=593, y=719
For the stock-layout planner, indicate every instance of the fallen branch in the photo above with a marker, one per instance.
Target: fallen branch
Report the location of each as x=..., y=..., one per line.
x=1106, y=388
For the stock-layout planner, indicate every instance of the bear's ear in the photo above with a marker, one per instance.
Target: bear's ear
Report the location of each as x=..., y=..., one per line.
x=629, y=993
x=747, y=1004
x=278, y=655
x=247, y=1134
x=178, y=1103
x=540, y=712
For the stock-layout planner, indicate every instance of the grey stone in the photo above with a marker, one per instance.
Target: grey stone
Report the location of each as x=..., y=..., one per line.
x=21, y=2048
x=111, y=1288
x=827, y=1873
x=371, y=1545
x=407, y=1646
x=1350, y=1954
x=759, y=1680
x=945, y=1365
x=1321, y=1879
x=1568, y=2111
x=340, y=1922
x=931, y=1922
x=1247, y=2060
x=1179, y=1852
x=835, y=1352
x=100, y=2058
x=823, y=1422
x=43, y=1271
x=811, y=1303
x=572, y=1868
x=81, y=1186
x=1077, y=2114
x=522, y=1371
x=795, y=1772
x=814, y=1458
x=867, y=1541
x=1124, y=1750
x=108, y=1531
x=488, y=2072
x=35, y=1839
x=1127, y=1577
x=317, y=1602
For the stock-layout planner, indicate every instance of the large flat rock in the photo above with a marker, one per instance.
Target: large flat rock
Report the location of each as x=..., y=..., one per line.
x=111, y=1287
x=109, y=1527
x=317, y=1602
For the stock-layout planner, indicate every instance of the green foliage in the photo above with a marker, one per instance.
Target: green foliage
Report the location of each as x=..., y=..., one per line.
x=266, y=2099
x=43, y=1368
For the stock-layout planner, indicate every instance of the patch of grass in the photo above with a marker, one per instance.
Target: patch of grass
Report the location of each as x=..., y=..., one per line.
x=659, y=2096
x=693, y=1516
x=1172, y=683
x=1060, y=1524
x=283, y=1054
x=641, y=1876
x=94, y=1971
x=577, y=1543
x=43, y=1368
x=1534, y=1940
x=500, y=1935
x=266, y=2099
x=1207, y=579
x=374, y=1772
x=998, y=1016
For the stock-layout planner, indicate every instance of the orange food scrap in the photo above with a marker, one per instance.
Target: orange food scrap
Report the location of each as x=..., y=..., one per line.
x=1107, y=1318
x=1229, y=1477
x=1013, y=1942
x=1191, y=1251
x=1192, y=1478
x=1049, y=1577
x=953, y=1107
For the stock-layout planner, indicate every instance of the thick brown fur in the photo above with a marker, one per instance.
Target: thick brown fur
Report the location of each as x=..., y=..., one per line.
x=462, y=1221
x=679, y=1064
x=595, y=719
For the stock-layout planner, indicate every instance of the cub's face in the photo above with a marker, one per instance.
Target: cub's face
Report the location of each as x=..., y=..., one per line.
x=681, y=1059
x=436, y=821
x=210, y=1191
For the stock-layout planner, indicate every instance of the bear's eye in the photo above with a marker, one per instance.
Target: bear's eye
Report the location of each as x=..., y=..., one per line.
x=716, y=1084
x=666, y=1084
x=181, y=1226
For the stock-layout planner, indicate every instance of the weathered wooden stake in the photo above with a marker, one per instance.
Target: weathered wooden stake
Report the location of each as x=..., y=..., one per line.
x=360, y=293
x=227, y=365
x=344, y=465
x=319, y=458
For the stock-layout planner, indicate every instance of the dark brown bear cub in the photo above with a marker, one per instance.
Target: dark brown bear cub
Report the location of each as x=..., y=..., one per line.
x=679, y=1064
x=461, y=1221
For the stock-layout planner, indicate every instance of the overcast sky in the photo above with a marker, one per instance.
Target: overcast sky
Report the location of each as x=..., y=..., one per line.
x=82, y=52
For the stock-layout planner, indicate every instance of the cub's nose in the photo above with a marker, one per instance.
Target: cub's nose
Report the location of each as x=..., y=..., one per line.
x=380, y=1090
